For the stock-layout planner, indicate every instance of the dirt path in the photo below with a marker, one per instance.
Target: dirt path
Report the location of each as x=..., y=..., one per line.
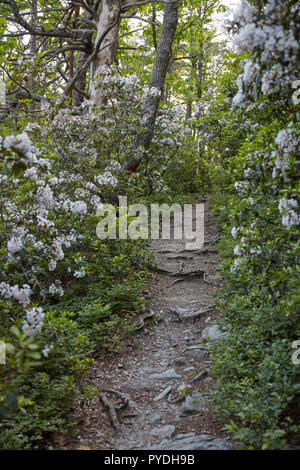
x=167, y=355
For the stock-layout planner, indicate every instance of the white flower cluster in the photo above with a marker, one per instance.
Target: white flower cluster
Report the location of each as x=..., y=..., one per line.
x=56, y=289
x=287, y=142
x=44, y=195
x=272, y=43
x=14, y=245
x=240, y=97
x=243, y=14
x=288, y=208
x=238, y=250
x=78, y=208
x=20, y=142
x=153, y=91
x=95, y=201
x=268, y=80
x=80, y=274
x=21, y=294
x=57, y=250
x=34, y=321
x=250, y=71
x=235, y=231
x=31, y=172
x=241, y=186
x=237, y=265
x=106, y=178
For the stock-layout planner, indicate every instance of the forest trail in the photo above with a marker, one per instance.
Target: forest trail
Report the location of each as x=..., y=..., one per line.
x=165, y=356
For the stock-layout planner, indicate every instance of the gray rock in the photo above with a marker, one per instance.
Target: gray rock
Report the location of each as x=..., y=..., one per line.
x=193, y=403
x=194, y=346
x=163, y=432
x=184, y=314
x=167, y=375
x=213, y=333
x=189, y=369
x=163, y=394
x=191, y=441
x=155, y=418
x=177, y=361
x=197, y=354
x=208, y=379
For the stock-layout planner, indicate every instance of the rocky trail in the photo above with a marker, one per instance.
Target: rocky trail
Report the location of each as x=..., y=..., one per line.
x=154, y=394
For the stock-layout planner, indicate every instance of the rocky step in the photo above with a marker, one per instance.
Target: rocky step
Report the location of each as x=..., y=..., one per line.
x=193, y=441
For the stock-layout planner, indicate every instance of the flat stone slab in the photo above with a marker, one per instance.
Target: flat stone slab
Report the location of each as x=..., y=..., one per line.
x=167, y=375
x=193, y=441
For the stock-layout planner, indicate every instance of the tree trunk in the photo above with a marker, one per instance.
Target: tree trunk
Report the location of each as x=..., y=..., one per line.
x=33, y=49
x=200, y=72
x=163, y=56
x=81, y=80
x=109, y=14
x=154, y=35
x=189, y=106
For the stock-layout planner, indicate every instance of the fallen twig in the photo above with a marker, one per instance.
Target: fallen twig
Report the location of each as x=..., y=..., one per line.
x=199, y=376
x=111, y=410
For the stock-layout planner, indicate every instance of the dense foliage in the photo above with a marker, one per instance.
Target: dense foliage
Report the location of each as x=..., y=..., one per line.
x=228, y=124
x=257, y=131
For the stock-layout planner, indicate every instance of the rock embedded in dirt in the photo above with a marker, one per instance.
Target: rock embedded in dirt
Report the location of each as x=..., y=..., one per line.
x=197, y=354
x=167, y=375
x=155, y=418
x=163, y=432
x=177, y=361
x=193, y=403
x=184, y=314
x=191, y=441
x=213, y=333
x=163, y=394
x=189, y=369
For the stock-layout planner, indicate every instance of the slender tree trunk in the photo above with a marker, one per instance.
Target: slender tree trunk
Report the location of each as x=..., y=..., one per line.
x=81, y=81
x=189, y=106
x=200, y=72
x=163, y=55
x=154, y=35
x=33, y=48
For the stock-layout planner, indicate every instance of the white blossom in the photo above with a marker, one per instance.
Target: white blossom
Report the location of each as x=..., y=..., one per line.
x=45, y=195
x=238, y=250
x=21, y=294
x=15, y=244
x=241, y=186
x=80, y=274
x=78, y=207
x=46, y=350
x=52, y=265
x=34, y=321
x=234, y=232
x=288, y=208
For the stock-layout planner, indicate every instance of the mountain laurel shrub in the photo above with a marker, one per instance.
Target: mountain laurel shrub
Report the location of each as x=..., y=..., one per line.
x=257, y=204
